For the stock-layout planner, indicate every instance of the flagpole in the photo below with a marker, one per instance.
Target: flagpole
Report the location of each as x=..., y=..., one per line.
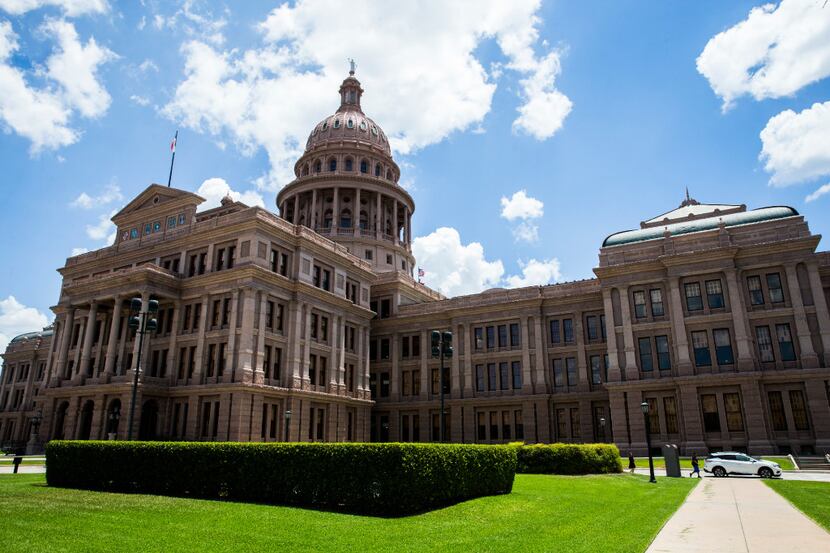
x=170, y=177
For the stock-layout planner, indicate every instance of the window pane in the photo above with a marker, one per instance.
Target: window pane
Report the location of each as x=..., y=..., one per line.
x=558, y=373
x=639, y=304
x=568, y=329
x=670, y=410
x=657, y=302
x=555, y=337
x=714, y=294
x=709, y=406
x=596, y=370
x=661, y=343
x=799, y=408
x=646, y=363
x=517, y=374
x=504, y=376
x=776, y=408
x=764, y=340
x=776, y=293
x=700, y=344
x=570, y=365
x=723, y=346
x=734, y=419
x=694, y=302
x=785, y=342
x=756, y=294
x=653, y=416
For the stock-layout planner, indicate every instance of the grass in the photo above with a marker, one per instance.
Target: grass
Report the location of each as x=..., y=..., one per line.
x=812, y=498
x=686, y=462
x=605, y=513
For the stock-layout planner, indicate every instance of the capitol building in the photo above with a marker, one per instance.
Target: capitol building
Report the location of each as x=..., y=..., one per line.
x=309, y=326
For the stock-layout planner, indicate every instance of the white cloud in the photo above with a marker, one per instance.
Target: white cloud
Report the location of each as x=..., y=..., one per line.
x=819, y=192
x=148, y=65
x=796, y=146
x=521, y=206
x=535, y=273
x=43, y=115
x=104, y=229
x=141, y=23
x=214, y=189
x=111, y=193
x=774, y=52
x=78, y=251
x=452, y=267
x=71, y=8
x=526, y=232
x=140, y=100
x=16, y=319
x=421, y=60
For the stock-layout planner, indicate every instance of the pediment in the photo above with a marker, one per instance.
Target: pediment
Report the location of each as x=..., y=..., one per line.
x=157, y=196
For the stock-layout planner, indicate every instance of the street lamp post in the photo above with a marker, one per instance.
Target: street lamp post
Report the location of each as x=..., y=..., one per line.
x=644, y=407
x=441, y=348
x=287, y=424
x=602, y=427
x=34, y=439
x=142, y=323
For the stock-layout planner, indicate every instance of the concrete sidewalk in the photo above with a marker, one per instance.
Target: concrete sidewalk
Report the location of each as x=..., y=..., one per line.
x=738, y=515
x=811, y=475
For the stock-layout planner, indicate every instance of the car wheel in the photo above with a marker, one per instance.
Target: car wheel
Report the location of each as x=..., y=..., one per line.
x=719, y=472
x=765, y=472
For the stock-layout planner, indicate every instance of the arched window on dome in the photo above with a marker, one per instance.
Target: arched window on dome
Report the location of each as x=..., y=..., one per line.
x=388, y=174
x=350, y=123
x=378, y=170
x=318, y=166
x=349, y=164
x=305, y=169
x=346, y=218
x=327, y=219
x=352, y=96
x=333, y=164
x=364, y=220
x=337, y=123
x=364, y=166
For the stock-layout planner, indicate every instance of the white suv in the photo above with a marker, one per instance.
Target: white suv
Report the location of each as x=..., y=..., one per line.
x=731, y=462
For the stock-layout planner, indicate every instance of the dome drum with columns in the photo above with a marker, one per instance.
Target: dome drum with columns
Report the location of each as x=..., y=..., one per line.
x=346, y=187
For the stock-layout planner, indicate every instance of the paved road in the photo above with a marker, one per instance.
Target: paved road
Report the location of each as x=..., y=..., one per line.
x=738, y=515
x=23, y=469
x=814, y=476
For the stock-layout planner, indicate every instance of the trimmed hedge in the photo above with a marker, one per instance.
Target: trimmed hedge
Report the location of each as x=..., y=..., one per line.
x=382, y=479
x=569, y=459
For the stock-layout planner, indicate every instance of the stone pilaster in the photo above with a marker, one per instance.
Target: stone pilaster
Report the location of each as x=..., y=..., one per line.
x=809, y=358
x=738, y=309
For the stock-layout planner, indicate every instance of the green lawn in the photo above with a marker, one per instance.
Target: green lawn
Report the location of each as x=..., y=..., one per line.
x=812, y=498
x=686, y=462
x=544, y=513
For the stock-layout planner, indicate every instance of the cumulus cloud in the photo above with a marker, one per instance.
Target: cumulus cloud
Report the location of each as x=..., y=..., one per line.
x=104, y=229
x=71, y=8
x=42, y=115
x=214, y=189
x=422, y=59
x=819, y=192
x=774, y=52
x=456, y=269
x=78, y=251
x=795, y=145
x=140, y=100
x=525, y=208
x=16, y=318
x=535, y=273
x=111, y=193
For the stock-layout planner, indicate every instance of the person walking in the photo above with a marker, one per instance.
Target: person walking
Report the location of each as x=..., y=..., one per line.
x=695, y=466
x=631, y=464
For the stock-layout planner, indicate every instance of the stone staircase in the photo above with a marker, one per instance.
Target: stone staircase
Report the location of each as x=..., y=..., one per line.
x=813, y=463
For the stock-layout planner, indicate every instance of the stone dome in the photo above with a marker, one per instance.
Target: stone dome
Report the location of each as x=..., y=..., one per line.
x=348, y=123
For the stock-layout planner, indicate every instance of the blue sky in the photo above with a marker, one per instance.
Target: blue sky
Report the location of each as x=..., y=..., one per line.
x=602, y=112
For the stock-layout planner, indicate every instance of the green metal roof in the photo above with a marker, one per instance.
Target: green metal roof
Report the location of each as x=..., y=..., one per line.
x=31, y=335
x=709, y=223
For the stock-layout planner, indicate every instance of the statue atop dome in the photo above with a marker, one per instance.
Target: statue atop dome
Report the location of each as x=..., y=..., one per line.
x=352, y=66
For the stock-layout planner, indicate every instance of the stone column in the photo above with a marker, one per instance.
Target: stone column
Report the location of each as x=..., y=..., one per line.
x=540, y=357
x=341, y=365
x=379, y=216
x=581, y=361
x=822, y=314
x=199, y=368
x=395, y=376
x=336, y=359
x=690, y=419
x=528, y=386
x=637, y=423
x=736, y=306
x=171, y=352
x=112, y=342
x=89, y=334
x=678, y=324
x=295, y=215
x=468, y=360
x=395, y=221
x=614, y=374
x=366, y=367
x=425, y=378
x=616, y=408
x=66, y=341
x=335, y=215
x=631, y=370
x=294, y=353
x=816, y=392
x=356, y=216
x=809, y=358
x=245, y=345
x=258, y=362
x=312, y=219
x=757, y=433
x=145, y=299
x=122, y=347
x=230, y=351
x=455, y=372
x=306, y=359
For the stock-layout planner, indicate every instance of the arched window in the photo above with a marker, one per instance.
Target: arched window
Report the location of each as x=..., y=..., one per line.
x=349, y=164
x=378, y=170
x=350, y=123
x=333, y=165
x=388, y=174
x=364, y=220
x=364, y=166
x=346, y=218
x=327, y=219
x=305, y=169
x=337, y=123
x=318, y=166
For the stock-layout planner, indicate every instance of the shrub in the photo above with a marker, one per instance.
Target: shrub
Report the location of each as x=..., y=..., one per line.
x=569, y=459
x=382, y=479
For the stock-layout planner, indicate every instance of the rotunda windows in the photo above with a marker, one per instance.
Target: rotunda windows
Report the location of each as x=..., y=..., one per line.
x=318, y=166
x=364, y=166
x=350, y=123
x=378, y=170
x=325, y=125
x=388, y=174
x=349, y=164
x=363, y=126
x=305, y=169
x=333, y=165
x=374, y=130
x=337, y=123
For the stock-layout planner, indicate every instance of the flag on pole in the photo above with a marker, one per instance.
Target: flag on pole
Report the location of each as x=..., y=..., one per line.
x=420, y=272
x=172, y=157
x=173, y=144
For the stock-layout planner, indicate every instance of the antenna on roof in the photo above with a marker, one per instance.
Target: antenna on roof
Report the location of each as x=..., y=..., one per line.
x=352, y=66
x=687, y=194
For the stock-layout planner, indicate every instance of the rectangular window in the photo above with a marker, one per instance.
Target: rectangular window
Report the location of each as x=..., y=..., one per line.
x=494, y=425
x=711, y=419
x=491, y=337
x=596, y=369
x=653, y=416
x=694, y=301
x=479, y=337
x=776, y=409
x=505, y=425
x=591, y=323
x=568, y=330
x=799, y=408
x=764, y=339
x=384, y=348
x=602, y=327
x=404, y=347
x=416, y=383
x=435, y=380
x=516, y=367
x=714, y=294
x=756, y=294
x=723, y=346
x=555, y=337
x=776, y=292
x=405, y=383
x=502, y=336
x=639, y=304
x=657, y=302
x=515, y=336
x=558, y=373
x=646, y=361
x=570, y=366
x=700, y=345
x=734, y=418
x=416, y=346
x=670, y=411
x=384, y=384
x=661, y=343
x=491, y=376
x=504, y=376
x=561, y=425
x=574, y=422
x=479, y=378
x=518, y=424
x=785, y=342
x=482, y=427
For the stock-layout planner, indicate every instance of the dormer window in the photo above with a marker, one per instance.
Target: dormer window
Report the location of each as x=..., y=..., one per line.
x=363, y=126
x=350, y=124
x=374, y=130
x=325, y=125
x=337, y=123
